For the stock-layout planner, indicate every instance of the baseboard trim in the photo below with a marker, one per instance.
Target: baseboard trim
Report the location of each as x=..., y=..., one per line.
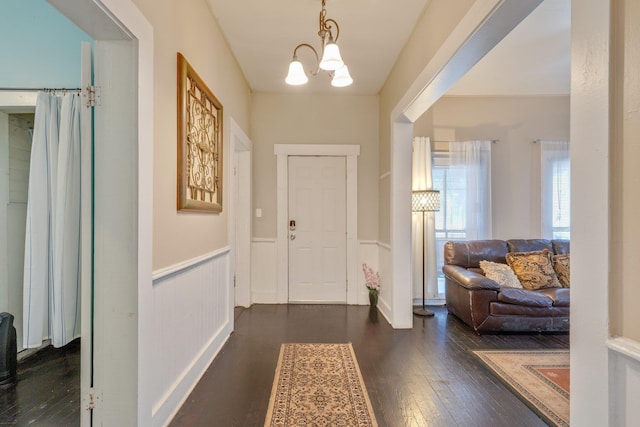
x=168, y=406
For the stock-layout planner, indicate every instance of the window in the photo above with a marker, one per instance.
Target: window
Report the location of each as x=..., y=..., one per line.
x=555, y=189
x=450, y=220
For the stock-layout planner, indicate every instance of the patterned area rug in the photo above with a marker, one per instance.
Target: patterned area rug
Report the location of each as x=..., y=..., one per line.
x=318, y=385
x=540, y=378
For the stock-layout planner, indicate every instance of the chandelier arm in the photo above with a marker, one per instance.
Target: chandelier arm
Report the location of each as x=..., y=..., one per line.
x=295, y=56
x=328, y=28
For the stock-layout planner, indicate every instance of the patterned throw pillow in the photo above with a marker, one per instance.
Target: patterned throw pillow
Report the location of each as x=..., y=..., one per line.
x=561, y=266
x=534, y=269
x=502, y=274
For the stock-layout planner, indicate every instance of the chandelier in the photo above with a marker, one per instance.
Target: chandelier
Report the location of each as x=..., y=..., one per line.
x=331, y=60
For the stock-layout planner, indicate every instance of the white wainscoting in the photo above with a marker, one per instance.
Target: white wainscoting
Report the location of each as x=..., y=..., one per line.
x=264, y=274
x=192, y=319
x=624, y=373
x=367, y=253
x=264, y=280
x=384, y=266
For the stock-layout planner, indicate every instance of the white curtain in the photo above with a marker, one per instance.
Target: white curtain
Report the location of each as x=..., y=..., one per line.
x=475, y=158
x=555, y=200
x=422, y=180
x=52, y=250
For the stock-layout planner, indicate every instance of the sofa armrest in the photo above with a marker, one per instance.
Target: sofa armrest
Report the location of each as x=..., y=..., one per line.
x=469, y=279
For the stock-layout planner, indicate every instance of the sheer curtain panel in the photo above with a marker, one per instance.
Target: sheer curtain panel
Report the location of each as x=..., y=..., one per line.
x=422, y=180
x=474, y=157
x=555, y=189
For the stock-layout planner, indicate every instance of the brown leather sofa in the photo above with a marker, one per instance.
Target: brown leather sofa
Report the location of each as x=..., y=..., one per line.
x=480, y=302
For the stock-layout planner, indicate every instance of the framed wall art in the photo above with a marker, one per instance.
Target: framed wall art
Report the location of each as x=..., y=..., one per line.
x=199, y=143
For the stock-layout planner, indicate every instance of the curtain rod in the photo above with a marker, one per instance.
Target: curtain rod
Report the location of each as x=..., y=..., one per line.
x=41, y=89
x=447, y=142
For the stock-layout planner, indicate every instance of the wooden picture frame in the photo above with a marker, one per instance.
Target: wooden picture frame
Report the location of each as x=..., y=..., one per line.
x=199, y=143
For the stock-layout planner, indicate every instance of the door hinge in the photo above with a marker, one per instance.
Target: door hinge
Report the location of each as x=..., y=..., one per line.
x=234, y=280
x=92, y=96
x=92, y=400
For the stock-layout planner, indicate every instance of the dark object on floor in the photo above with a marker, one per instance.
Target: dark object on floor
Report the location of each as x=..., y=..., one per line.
x=8, y=350
x=479, y=301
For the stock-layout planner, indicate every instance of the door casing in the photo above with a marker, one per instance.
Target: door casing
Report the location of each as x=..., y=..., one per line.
x=351, y=153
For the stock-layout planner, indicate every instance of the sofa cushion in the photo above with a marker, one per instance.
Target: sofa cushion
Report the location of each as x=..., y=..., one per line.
x=534, y=269
x=524, y=297
x=502, y=309
x=561, y=266
x=502, y=274
x=528, y=245
x=469, y=254
x=561, y=246
x=559, y=296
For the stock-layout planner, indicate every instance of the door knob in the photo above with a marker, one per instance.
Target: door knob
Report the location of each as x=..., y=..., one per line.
x=292, y=237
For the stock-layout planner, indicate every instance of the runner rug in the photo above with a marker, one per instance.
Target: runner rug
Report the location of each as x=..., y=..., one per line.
x=539, y=378
x=318, y=385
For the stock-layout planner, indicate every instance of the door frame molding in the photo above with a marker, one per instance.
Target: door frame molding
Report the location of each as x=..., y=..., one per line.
x=282, y=152
x=240, y=224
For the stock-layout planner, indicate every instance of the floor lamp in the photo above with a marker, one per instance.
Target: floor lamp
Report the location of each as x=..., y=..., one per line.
x=424, y=201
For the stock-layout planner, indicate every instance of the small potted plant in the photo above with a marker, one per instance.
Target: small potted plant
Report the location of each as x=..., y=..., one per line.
x=372, y=281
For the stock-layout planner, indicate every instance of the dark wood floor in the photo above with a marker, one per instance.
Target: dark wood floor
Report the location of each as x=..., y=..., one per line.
x=47, y=392
x=425, y=376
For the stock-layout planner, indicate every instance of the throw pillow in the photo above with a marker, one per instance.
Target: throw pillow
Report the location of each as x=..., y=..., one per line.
x=561, y=266
x=502, y=274
x=534, y=269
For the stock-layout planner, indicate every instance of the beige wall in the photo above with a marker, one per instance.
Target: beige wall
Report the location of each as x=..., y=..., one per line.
x=515, y=167
x=188, y=27
x=314, y=119
x=434, y=26
x=625, y=174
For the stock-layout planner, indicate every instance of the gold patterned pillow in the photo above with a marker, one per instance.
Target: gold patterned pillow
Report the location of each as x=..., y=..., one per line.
x=534, y=269
x=561, y=266
x=502, y=274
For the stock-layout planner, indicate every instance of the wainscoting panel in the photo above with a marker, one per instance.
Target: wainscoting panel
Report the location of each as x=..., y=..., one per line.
x=367, y=253
x=624, y=372
x=264, y=279
x=386, y=295
x=192, y=319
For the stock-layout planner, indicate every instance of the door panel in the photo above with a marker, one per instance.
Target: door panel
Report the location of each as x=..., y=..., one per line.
x=317, y=244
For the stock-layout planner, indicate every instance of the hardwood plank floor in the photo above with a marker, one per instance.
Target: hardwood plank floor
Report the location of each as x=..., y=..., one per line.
x=425, y=376
x=47, y=392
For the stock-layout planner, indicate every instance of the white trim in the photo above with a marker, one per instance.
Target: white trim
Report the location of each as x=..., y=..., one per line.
x=173, y=399
x=368, y=242
x=626, y=347
x=263, y=240
x=184, y=265
x=385, y=175
x=282, y=152
x=240, y=219
x=384, y=245
x=316, y=150
x=16, y=100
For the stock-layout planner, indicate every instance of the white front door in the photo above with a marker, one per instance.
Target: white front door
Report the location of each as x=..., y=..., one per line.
x=317, y=230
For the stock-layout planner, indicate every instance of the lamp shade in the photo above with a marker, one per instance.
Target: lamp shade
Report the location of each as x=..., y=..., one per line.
x=296, y=75
x=341, y=78
x=425, y=201
x=331, y=59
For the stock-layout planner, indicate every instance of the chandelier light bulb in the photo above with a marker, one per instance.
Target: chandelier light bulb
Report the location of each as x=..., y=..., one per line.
x=296, y=75
x=341, y=78
x=331, y=59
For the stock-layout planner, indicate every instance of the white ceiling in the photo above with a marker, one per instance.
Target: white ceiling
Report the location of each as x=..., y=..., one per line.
x=532, y=59
x=263, y=34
